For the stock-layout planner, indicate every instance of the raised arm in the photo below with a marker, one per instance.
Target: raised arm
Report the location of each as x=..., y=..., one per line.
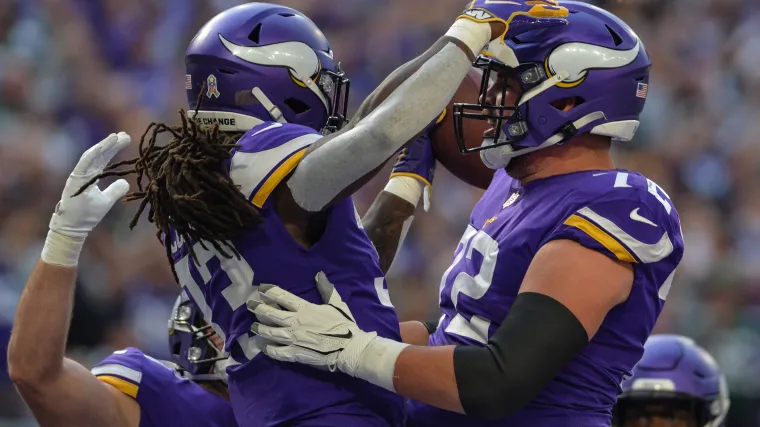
x=394, y=114
x=59, y=391
x=411, y=97
x=388, y=219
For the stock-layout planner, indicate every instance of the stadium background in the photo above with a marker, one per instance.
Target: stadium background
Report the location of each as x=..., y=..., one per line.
x=72, y=71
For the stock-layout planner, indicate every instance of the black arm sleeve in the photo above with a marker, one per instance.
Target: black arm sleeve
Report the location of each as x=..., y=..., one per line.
x=536, y=339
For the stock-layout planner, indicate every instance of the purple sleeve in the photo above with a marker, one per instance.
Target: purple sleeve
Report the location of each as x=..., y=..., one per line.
x=123, y=370
x=630, y=226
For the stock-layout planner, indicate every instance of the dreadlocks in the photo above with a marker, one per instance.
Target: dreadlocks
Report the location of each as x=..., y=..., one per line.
x=187, y=187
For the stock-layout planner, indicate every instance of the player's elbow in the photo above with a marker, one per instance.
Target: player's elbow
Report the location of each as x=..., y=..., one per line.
x=16, y=375
x=26, y=372
x=332, y=171
x=23, y=374
x=18, y=371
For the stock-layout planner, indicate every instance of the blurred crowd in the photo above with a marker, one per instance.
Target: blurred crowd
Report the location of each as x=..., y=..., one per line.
x=73, y=71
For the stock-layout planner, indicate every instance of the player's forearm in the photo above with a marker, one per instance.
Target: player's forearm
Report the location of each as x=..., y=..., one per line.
x=59, y=391
x=37, y=345
x=535, y=341
x=386, y=223
x=392, y=82
x=41, y=325
x=426, y=374
x=338, y=166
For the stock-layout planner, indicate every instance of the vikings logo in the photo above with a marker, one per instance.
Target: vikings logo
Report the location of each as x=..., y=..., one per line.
x=211, y=88
x=299, y=57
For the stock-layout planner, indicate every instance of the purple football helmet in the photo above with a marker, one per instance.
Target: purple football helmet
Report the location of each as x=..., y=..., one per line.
x=596, y=59
x=675, y=374
x=261, y=62
x=190, y=345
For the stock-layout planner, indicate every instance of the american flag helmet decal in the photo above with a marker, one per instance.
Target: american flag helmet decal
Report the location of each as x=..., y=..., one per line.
x=641, y=90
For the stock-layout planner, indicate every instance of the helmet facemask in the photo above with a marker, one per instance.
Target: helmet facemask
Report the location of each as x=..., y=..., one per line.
x=335, y=86
x=510, y=121
x=663, y=408
x=202, y=359
x=500, y=113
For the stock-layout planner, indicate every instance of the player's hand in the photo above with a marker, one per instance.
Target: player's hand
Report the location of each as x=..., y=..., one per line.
x=417, y=161
x=75, y=217
x=319, y=335
x=511, y=18
x=507, y=19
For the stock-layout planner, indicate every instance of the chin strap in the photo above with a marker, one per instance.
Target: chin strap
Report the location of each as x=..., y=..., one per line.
x=499, y=157
x=237, y=122
x=272, y=109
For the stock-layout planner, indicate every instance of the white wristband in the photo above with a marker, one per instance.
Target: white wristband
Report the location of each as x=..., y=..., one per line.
x=406, y=187
x=62, y=250
x=475, y=35
x=378, y=362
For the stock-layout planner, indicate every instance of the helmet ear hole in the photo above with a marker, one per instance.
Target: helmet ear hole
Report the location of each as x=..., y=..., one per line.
x=298, y=106
x=567, y=104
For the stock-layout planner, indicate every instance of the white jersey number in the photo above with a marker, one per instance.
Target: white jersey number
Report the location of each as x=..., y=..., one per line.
x=238, y=271
x=241, y=287
x=474, y=287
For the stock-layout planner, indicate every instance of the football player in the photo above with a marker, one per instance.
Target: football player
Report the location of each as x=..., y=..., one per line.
x=261, y=194
x=565, y=265
x=675, y=384
x=128, y=388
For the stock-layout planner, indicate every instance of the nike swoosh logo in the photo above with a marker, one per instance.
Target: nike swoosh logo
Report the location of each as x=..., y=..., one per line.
x=324, y=353
x=636, y=217
x=342, y=312
x=600, y=174
x=347, y=335
x=276, y=125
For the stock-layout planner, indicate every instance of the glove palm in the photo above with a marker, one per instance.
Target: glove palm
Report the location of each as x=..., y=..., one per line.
x=76, y=216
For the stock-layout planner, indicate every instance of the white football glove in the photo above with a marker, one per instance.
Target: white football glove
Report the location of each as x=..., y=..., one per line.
x=324, y=335
x=75, y=217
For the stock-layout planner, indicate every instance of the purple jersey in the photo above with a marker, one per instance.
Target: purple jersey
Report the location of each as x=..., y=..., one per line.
x=621, y=214
x=166, y=398
x=266, y=392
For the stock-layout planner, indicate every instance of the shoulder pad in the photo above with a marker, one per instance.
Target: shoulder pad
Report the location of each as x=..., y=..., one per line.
x=267, y=154
x=635, y=220
x=123, y=370
x=270, y=135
